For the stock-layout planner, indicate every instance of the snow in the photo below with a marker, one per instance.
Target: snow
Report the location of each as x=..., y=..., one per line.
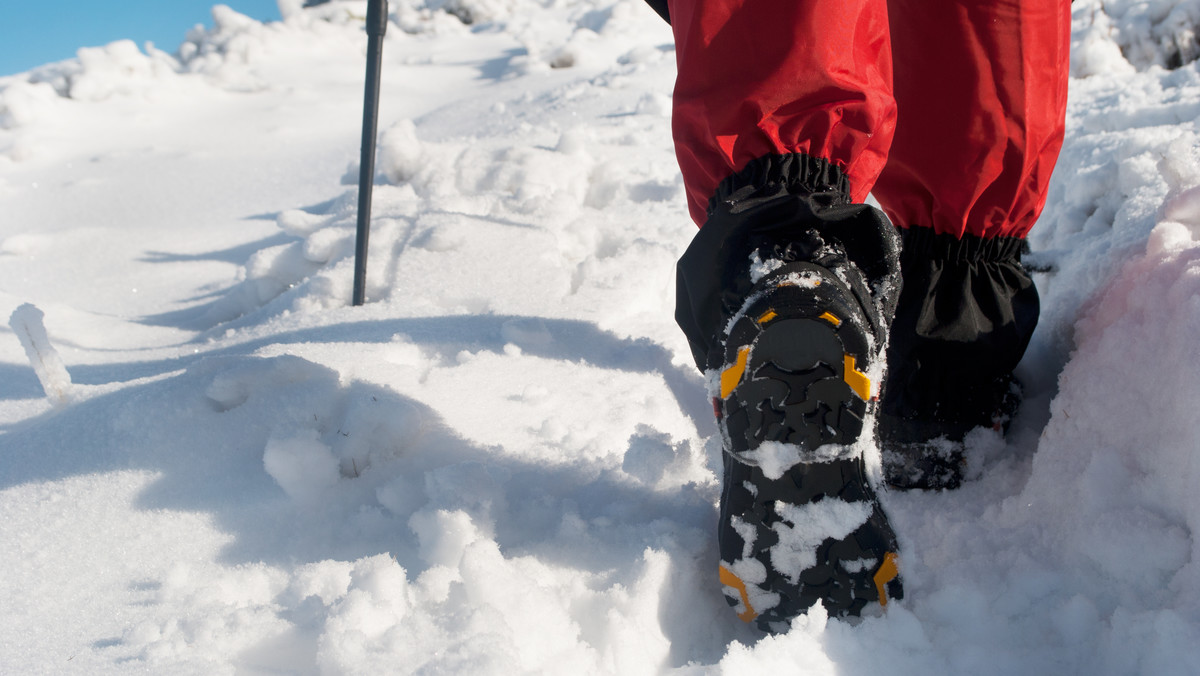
x=505, y=462
x=27, y=322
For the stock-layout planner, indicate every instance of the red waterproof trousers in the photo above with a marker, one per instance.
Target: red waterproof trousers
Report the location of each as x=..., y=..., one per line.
x=951, y=112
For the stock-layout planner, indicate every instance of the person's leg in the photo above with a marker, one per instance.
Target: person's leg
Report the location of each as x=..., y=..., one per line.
x=981, y=88
x=783, y=117
x=758, y=79
x=789, y=99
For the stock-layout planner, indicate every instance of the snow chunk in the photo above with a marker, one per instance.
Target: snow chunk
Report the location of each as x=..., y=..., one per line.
x=23, y=102
x=327, y=580
x=652, y=455
x=401, y=154
x=1093, y=50
x=119, y=68
x=443, y=536
x=775, y=458
x=26, y=322
x=1168, y=237
x=302, y=466
x=805, y=527
x=298, y=223
x=760, y=268
x=362, y=628
x=1154, y=34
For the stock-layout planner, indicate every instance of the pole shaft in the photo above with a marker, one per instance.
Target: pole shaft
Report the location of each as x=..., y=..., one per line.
x=376, y=27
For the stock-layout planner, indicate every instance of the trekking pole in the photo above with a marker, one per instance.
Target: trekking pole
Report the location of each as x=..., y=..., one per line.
x=377, y=18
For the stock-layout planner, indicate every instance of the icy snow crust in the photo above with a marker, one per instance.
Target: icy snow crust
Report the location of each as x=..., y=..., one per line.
x=504, y=462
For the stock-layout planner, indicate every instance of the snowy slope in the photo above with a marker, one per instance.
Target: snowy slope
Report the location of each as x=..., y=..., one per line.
x=503, y=462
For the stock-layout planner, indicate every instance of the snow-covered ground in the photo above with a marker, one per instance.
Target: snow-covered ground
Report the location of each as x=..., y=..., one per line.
x=503, y=462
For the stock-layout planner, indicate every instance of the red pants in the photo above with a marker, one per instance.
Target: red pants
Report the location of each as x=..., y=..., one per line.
x=951, y=112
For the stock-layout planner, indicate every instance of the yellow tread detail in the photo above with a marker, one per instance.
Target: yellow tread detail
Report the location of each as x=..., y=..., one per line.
x=731, y=376
x=767, y=316
x=831, y=318
x=857, y=380
x=886, y=573
x=733, y=581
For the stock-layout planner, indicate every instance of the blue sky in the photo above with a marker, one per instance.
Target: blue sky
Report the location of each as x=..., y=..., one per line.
x=33, y=32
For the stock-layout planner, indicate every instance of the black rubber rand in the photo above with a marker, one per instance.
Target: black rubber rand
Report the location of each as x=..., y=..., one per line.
x=795, y=362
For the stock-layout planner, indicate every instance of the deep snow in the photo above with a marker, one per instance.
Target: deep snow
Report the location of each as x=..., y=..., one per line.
x=503, y=463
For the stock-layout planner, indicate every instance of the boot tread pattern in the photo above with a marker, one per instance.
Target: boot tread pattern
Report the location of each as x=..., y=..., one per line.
x=795, y=374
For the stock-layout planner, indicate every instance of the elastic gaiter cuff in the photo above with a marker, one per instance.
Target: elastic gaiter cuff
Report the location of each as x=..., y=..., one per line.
x=788, y=207
x=963, y=321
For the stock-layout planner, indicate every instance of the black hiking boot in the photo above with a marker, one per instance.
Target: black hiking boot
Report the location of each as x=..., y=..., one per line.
x=931, y=454
x=934, y=464
x=785, y=296
x=963, y=320
x=799, y=521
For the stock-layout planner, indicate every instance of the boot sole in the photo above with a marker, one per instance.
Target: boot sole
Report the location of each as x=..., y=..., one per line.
x=812, y=401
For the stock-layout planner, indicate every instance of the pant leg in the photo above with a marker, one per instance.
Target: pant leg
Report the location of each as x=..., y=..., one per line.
x=783, y=114
x=776, y=77
x=981, y=88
